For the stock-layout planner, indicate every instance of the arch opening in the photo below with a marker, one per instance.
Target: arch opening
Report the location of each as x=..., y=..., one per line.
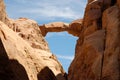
x=62, y=45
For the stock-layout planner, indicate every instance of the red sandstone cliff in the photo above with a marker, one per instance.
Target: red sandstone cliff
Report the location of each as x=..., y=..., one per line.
x=97, y=55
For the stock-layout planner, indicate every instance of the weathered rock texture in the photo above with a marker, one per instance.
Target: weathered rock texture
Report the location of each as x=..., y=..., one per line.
x=3, y=15
x=24, y=54
x=97, y=55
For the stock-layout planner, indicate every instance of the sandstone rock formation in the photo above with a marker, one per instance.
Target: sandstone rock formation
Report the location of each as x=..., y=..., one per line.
x=3, y=15
x=24, y=53
x=97, y=55
x=74, y=28
x=29, y=31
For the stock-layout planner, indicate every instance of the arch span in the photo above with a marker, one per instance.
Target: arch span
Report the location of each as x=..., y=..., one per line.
x=74, y=28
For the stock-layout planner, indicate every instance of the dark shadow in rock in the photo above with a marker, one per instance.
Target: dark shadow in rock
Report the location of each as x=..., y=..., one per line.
x=10, y=69
x=4, y=74
x=18, y=70
x=113, y=2
x=62, y=77
x=46, y=74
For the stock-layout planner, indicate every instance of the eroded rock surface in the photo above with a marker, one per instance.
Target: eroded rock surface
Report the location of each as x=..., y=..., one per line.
x=29, y=31
x=3, y=15
x=32, y=59
x=24, y=53
x=97, y=55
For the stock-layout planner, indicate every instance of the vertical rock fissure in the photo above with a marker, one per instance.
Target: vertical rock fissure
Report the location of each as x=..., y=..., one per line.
x=119, y=44
x=102, y=60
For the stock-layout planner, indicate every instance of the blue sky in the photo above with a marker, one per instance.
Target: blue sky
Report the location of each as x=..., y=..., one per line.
x=45, y=11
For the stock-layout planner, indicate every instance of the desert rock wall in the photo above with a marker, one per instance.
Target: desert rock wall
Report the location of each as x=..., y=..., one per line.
x=98, y=48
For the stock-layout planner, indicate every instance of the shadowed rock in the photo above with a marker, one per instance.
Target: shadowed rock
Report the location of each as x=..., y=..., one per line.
x=10, y=69
x=46, y=74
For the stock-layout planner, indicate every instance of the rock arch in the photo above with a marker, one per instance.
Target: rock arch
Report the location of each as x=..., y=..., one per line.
x=74, y=28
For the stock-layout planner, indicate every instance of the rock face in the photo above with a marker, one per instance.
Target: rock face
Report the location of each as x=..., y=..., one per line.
x=29, y=31
x=24, y=54
x=111, y=63
x=97, y=55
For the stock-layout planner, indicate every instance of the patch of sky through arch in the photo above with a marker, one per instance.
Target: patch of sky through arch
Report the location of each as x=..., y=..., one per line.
x=62, y=45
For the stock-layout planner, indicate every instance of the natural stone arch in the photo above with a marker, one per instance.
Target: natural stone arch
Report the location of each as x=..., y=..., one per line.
x=74, y=28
